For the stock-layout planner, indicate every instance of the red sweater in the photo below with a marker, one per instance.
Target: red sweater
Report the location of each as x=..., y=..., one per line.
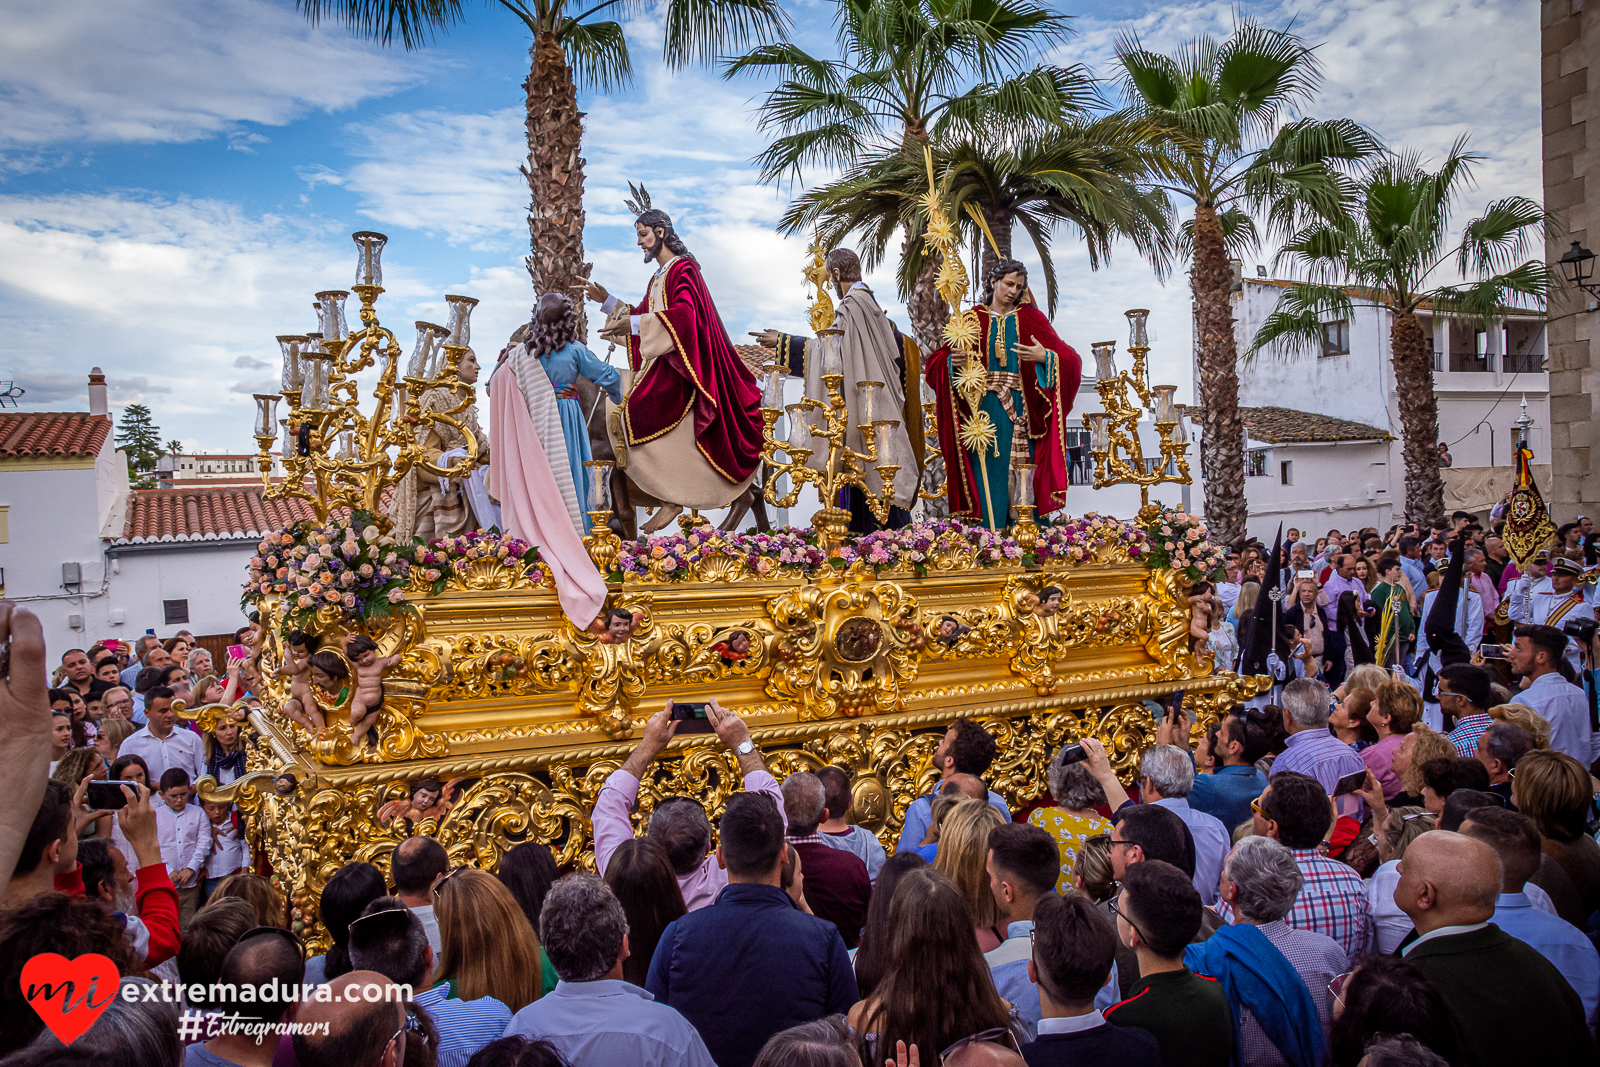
x=158, y=907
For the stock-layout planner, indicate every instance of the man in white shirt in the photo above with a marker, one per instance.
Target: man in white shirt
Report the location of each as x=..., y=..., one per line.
x=161, y=744
x=185, y=836
x=1228, y=588
x=592, y=1016
x=1537, y=651
x=415, y=868
x=1166, y=777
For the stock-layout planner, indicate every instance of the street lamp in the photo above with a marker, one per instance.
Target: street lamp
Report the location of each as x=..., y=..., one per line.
x=1577, y=266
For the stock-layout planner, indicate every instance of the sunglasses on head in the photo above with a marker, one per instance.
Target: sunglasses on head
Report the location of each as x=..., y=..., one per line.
x=1000, y=1035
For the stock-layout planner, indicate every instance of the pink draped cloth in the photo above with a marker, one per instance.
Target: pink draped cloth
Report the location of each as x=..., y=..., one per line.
x=530, y=501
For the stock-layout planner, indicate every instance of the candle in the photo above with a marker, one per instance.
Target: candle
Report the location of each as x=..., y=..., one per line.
x=369, y=257
x=460, y=319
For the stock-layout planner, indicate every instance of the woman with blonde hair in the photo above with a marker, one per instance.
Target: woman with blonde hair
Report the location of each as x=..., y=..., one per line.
x=255, y=891
x=1396, y=711
x=487, y=946
x=964, y=857
x=1092, y=874
x=1248, y=592
x=1527, y=720
x=1386, y=923
x=1555, y=791
x=108, y=742
x=1422, y=744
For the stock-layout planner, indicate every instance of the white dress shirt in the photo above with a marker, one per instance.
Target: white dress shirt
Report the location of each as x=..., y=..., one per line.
x=181, y=748
x=229, y=849
x=1567, y=710
x=1211, y=844
x=185, y=837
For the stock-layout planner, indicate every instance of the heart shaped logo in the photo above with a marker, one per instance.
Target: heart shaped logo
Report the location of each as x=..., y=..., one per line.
x=69, y=995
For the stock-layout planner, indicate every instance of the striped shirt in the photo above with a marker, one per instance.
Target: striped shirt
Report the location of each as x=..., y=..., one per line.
x=464, y=1026
x=1333, y=901
x=1465, y=736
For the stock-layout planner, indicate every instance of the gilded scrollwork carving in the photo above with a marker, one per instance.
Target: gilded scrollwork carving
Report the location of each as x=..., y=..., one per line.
x=844, y=650
x=611, y=680
x=705, y=652
x=1166, y=635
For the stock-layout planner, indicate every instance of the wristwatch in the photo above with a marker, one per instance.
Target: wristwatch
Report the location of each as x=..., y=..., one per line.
x=745, y=747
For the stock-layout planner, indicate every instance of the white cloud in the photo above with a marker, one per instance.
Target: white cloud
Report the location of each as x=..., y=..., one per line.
x=174, y=70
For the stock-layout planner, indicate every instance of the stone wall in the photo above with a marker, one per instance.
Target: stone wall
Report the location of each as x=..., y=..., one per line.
x=1570, y=48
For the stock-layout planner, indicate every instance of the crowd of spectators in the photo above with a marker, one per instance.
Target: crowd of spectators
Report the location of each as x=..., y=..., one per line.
x=1378, y=873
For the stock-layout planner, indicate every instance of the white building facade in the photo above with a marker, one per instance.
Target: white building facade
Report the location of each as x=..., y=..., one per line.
x=1308, y=464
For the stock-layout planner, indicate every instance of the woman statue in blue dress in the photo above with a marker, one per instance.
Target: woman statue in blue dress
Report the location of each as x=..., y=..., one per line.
x=553, y=339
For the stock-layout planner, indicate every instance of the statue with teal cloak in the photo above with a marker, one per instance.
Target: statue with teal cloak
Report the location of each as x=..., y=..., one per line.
x=1029, y=378
x=552, y=338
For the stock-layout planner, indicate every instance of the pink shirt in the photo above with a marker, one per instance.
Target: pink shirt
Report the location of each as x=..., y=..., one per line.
x=612, y=827
x=1484, y=586
x=1379, y=759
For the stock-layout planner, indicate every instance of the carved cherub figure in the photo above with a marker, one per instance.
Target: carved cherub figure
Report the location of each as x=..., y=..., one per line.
x=734, y=649
x=367, y=700
x=428, y=800
x=296, y=666
x=619, y=626
x=1049, y=602
x=1201, y=606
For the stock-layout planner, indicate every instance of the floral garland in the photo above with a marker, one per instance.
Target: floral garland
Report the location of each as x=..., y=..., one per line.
x=445, y=555
x=794, y=553
x=1178, y=540
x=350, y=565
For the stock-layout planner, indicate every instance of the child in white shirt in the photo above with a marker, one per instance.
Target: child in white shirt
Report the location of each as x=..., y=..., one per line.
x=185, y=841
x=230, y=852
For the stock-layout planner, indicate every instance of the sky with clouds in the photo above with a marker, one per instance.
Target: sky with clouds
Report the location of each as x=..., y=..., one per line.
x=178, y=177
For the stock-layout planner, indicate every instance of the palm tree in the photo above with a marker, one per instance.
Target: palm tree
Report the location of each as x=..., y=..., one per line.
x=1383, y=255
x=575, y=45
x=1084, y=173
x=1219, y=111
x=912, y=74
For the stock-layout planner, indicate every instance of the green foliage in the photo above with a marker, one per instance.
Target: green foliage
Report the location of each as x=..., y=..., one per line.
x=1386, y=251
x=1216, y=113
x=596, y=49
x=140, y=438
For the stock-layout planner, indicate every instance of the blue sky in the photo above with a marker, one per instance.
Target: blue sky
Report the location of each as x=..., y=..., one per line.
x=177, y=177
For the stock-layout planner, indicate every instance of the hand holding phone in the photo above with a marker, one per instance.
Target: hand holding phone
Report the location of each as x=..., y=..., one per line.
x=108, y=796
x=691, y=717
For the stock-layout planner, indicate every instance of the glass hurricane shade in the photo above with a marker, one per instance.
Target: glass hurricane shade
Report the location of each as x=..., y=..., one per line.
x=772, y=395
x=330, y=314
x=1022, y=484
x=1105, y=364
x=420, y=355
x=1099, y=438
x=829, y=351
x=293, y=371
x=599, y=483
x=1138, y=337
x=1164, y=406
x=460, y=319
x=369, y=257
x=866, y=391
x=266, y=414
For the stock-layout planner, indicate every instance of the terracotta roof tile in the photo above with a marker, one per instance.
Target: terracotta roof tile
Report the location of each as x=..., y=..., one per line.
x=1287, y=426
x=52, y=433
x=222, y=514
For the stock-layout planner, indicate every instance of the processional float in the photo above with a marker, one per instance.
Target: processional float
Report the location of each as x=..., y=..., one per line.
x=501, y=718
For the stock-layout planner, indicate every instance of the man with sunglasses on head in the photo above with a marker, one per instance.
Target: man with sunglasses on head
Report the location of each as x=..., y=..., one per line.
x=271, y=961
x=679, y=824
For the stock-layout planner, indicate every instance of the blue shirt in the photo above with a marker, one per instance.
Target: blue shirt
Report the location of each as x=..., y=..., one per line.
x=1211, y=844
x=1414, y=573
x=464, y=1026
x=1226, y=793
x=1321, y=755
x=1558, y=941
x=920, y=813
x=1008, y=966
x=610, y=1021
x=749, y=965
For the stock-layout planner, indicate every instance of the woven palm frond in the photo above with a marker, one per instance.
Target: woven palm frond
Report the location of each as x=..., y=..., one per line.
x=639, y=202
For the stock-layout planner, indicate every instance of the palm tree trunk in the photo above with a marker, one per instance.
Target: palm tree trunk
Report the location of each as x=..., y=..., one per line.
x=1217, y=356
x=555, y=176
x=1419, y=419
x=926, y=308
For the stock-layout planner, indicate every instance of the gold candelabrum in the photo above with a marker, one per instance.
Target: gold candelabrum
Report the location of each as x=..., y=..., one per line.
x=333, y=455
x=1114, y=433
x=845, y=466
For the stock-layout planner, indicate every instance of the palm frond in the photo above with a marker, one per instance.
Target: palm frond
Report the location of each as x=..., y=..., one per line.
x=1502, y=236
x=1239, y=234
x=598, y=53
x=415, y=22
x=706, y=29
x=1295, y=326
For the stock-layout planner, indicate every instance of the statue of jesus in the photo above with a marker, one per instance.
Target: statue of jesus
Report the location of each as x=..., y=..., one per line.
x=1030, y=380
x=691, y=421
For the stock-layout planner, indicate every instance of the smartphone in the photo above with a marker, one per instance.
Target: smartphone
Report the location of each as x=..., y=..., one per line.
x=692, y=716
x=238, y=652
x=1073, y=753
x=108, y=796
x=1492, y=651
x=1350, y=783
x=1177, y=706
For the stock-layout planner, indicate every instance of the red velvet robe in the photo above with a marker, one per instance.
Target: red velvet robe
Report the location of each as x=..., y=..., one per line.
x=1047, y=417
x=702, y=374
